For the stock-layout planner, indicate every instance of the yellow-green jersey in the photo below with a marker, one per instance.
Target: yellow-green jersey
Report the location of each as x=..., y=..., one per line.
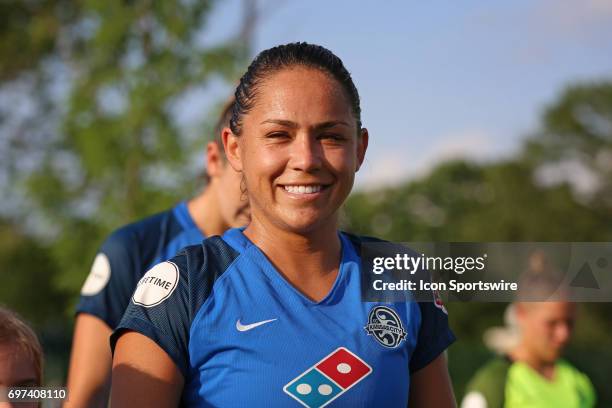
x=502, y=383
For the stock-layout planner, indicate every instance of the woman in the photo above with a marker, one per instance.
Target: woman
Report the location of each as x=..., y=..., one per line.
x=272, y=315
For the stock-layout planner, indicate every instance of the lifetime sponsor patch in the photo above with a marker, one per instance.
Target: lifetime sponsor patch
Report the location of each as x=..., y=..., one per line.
x=328, y=379
x=156, y=285
x=98, y=277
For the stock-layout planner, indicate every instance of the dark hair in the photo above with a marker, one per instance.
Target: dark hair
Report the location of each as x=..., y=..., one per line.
x=221, y=123
x=284, y=56
x=14, y=331
x=224, y=119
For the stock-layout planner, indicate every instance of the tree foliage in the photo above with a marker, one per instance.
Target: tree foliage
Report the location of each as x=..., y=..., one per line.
x=576, y=137
x=102, y=139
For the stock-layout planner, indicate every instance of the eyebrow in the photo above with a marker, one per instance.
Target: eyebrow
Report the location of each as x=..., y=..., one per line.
x=293, y=125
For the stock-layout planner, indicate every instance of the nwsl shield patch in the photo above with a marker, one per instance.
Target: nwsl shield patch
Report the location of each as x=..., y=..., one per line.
x=385, y=325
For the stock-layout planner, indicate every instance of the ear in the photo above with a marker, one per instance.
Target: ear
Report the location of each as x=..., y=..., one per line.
x=362, y=146
x=521, y=311
x=232, y=148
x=214, y=159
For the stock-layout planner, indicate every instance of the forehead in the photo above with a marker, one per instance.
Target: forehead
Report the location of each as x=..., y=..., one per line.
x=15, y=365
x=301, y=94
x=554, y=309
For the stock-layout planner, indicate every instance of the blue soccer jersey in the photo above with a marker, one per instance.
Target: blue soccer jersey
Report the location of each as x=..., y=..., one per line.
x=243, y=336
x=127, y=254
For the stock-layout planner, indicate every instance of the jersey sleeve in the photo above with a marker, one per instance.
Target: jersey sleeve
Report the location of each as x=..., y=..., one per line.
x=434, y=335
x=107, y=289
x=169, y=295
x=159, y=309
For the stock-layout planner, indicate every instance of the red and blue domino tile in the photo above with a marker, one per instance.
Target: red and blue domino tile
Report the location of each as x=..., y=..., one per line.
x=328, y=379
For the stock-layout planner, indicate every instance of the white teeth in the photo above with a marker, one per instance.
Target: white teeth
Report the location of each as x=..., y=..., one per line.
x=303, y=189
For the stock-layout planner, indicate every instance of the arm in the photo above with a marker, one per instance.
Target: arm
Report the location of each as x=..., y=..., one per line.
x=104, y=297
x=90, y=363
x=431, y=386
x=143, y=374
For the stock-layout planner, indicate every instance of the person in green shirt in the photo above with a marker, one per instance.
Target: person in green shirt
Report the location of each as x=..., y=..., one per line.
x=531, y=372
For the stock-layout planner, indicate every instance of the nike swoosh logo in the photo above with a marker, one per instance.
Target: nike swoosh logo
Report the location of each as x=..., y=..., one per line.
x=246, y=327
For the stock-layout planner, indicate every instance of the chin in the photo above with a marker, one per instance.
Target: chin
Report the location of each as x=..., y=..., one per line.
x=304, y=223
x=552, y=356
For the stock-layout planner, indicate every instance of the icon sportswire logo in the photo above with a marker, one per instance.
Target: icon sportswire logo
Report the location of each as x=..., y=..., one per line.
x=246, y=327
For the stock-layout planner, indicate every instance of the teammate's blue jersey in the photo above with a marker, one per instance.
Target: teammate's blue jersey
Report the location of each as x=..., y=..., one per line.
x=243, y=336
x=127, y=254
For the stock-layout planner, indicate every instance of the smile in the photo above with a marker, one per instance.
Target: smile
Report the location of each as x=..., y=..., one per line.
x=310, y=189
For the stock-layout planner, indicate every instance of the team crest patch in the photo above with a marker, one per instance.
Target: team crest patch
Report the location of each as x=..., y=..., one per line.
x=328, y=379
x=385, y=325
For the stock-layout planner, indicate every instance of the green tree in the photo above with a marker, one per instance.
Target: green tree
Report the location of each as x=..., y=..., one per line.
x=117, y=152
x=21, y=256
x=576, y=134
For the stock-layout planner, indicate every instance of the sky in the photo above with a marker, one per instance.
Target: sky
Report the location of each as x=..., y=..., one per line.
x=441, y=80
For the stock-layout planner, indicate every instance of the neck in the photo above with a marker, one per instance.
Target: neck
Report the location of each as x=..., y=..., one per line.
x=205, y=212
x=542, y=367
x=308, y=261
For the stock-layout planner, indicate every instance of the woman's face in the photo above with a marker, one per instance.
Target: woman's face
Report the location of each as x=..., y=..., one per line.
x=299, y=150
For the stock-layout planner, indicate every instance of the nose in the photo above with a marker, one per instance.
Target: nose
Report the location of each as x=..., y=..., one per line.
x=306, y=153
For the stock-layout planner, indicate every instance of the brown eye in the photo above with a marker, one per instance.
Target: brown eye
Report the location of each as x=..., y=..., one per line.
x=332, y=136
x=277, y=135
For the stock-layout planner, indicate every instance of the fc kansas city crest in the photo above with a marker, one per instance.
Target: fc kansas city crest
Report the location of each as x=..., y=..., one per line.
x=385, y=325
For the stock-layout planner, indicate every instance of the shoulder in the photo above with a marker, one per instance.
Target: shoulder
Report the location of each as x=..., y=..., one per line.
x=142, y=240
x=579, y=378
x=488, y=383
x=121, y=261
x=141, y=228
x=168, y=297
x=208, y=260
x=495, y=367
x=119, y=258
x=193, y=271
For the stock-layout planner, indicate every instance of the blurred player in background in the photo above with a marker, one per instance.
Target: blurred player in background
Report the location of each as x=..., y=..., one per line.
x=530, y=372
x=272, y=315
x=129, y=252
x=21, y=357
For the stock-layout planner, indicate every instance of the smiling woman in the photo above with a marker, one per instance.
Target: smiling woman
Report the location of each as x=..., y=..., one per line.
x=271, y=314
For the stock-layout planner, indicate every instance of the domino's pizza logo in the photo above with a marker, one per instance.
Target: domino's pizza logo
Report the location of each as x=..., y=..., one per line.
x=328, y=379
x=385, y=325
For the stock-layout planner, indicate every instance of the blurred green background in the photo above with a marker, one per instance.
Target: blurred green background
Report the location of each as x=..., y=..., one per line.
x=90, y=141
